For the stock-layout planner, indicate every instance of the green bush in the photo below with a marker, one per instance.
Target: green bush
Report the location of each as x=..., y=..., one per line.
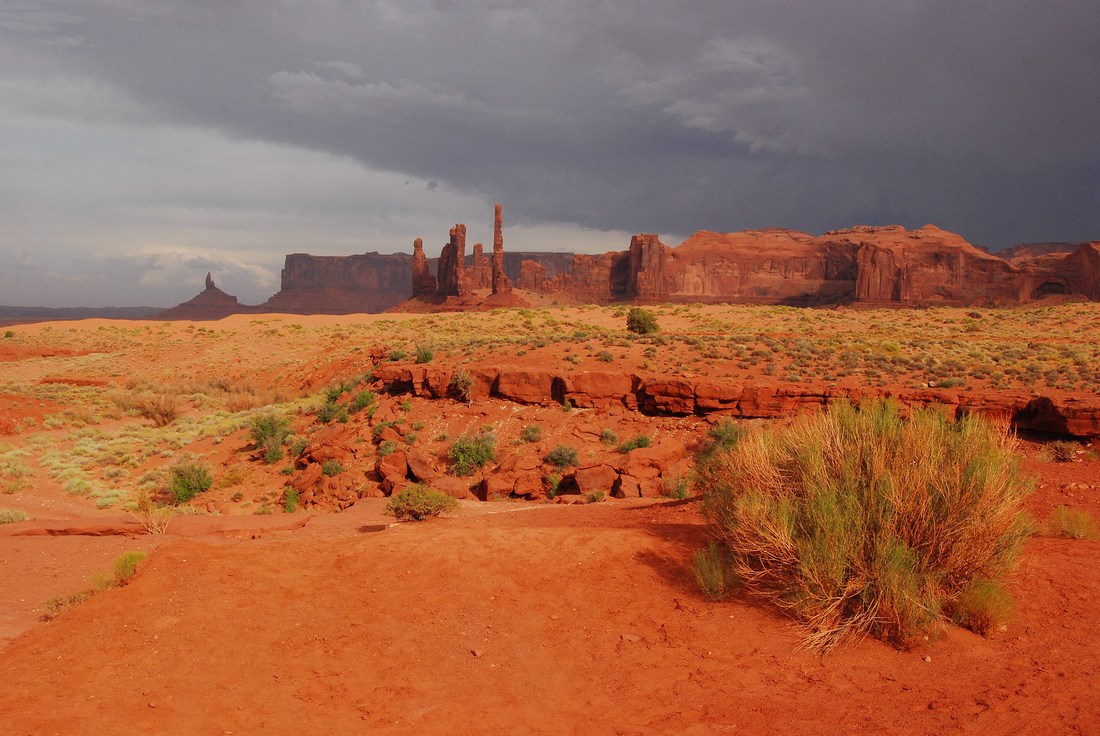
x=291, y=499
x=531, y=433
x=641, y=321
x=676, y=487
x=608, y=436
x=553, y=483
x=595, y=496
x=857, y=521
x=330, y=468
x=562, y=456
x=126, y=566
x=264, y=427
x=419, y=502
x=189, y=479
x=362, y=400
x=386, y=448
x=329, y=413
x=634, y=444
x=424, y=353
x=470, y=452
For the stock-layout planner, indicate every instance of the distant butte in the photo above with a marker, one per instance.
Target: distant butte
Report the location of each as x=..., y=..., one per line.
x=864, y=265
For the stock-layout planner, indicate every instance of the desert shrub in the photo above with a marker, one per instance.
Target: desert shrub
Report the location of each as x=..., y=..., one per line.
x=267, y=429
x=553, y=483
x=330, y=468
x=362, y=400
x=562, y=456
x=531, y=433
x=291, y=499
x=386, y=448
x=857, y=521
x=725, y=434
x=162, y=409
x=189, y=479
x=10, y=516
x=470, y=452
x=154, y=519
x=298, y=446
x=424, y=353
x=641, y=321
x=713, y=571
x=605, y=356
x=329, y=413
x=8, y=334
x=634, y=444
x=1060, y=451
x=608, y=436
x=1072, y=524
x=595, y=496
x=676, y=487
x=419, y=502
x=126, y=566
x=398, y=354
x=461, y=384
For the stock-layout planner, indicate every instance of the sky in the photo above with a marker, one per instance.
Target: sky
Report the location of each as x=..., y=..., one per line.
x=146, y=142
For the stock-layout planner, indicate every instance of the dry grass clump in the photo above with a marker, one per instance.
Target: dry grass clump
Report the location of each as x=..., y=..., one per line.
x=1072, y=524
x=122, y=573
x=159, y=407
x=858, y=521
x=154, y=519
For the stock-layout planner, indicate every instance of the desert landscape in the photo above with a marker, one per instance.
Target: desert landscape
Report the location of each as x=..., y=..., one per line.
x=559, y=595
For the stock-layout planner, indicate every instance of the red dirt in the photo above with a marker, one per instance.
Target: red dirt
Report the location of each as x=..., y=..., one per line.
x=507, y=617
x=519, y=619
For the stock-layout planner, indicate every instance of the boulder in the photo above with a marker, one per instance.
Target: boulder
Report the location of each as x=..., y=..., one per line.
x=599, y=477
x=391, y=469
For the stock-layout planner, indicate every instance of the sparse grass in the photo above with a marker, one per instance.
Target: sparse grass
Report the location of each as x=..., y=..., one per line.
x=419, y=502
x=424, y=353
x=856, y=521
x=563, y=456
x=126, y=567
x=676, y=487
x=595, y=496
x=291, y=500
x=608, y=436
x=713, y=571
x=1072, y=524
x=11, y=516
x=634, y=443
x=531, y=433
x=470, y=452
x=122, y=573
x=1060, y=451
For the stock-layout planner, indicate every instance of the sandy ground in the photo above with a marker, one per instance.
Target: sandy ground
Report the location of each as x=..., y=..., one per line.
x=504, y=618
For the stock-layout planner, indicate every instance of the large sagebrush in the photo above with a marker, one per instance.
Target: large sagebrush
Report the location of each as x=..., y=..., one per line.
x=857, y=520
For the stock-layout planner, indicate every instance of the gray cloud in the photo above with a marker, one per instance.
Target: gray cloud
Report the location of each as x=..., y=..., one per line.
x=581, y=117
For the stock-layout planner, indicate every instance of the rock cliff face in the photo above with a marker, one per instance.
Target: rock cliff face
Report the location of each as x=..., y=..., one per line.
x=873, y=265
x=370, y=282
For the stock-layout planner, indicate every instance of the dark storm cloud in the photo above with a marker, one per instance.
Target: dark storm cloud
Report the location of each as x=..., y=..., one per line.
x=637, y=115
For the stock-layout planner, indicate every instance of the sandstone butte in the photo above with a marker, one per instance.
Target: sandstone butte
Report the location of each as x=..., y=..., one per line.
x=860, y=265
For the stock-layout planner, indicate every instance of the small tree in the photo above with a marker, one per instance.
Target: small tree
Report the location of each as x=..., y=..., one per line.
x=641, y=321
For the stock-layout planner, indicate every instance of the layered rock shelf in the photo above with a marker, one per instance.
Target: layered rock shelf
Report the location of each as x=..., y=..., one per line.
x=672, y=395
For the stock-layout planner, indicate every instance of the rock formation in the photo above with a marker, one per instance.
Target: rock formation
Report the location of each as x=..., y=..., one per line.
x=451, y=277
x=423, y=283
x=368, y=283
x=212, y=303
x=500, y=283
x=873, y=265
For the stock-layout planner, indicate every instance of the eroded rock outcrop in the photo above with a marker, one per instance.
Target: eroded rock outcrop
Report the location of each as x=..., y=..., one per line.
x=212, y=303
x=423, y=283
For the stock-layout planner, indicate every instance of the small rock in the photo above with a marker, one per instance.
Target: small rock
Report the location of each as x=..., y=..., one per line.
x=632, y=638
x=476, y=652
x=927, y=658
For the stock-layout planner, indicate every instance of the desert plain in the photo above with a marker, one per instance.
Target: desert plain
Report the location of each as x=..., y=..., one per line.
x=553, y=608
